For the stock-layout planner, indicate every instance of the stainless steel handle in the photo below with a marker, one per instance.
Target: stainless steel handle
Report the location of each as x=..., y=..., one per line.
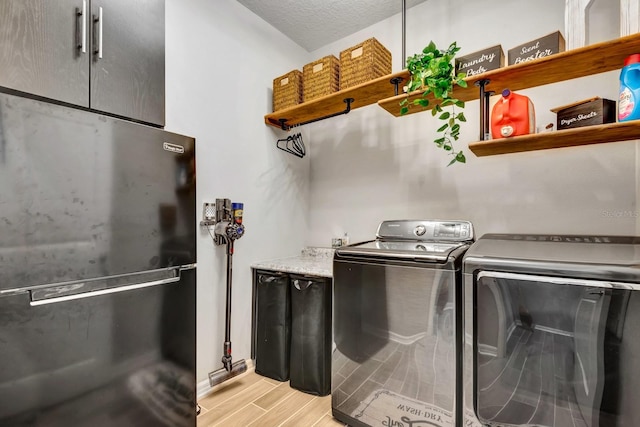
x=81, y=27
x=561, y=280
x=92, y=294
x=98, y=22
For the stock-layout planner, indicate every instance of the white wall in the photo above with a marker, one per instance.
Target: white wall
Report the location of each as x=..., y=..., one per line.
x=369, y=166
x=220, y=63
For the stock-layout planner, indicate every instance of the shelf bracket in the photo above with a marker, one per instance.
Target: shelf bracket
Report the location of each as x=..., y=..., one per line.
x=348, y=101
x=396, y=82
x=484, y=108
x=487, y=120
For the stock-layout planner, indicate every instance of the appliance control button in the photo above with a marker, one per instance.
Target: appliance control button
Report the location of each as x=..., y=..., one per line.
x=420, y=230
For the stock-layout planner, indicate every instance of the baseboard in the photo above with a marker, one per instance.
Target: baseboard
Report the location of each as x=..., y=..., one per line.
x=203, y=388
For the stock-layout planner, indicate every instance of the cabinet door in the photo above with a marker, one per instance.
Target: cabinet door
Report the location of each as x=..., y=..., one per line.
x=127, y=65
x=39, y=50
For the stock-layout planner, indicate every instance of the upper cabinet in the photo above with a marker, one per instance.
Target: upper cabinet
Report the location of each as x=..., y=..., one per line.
x=127, y=65
x=38, y=49
x=107, y=55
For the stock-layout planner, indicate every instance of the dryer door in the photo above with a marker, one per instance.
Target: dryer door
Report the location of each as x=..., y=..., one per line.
x=551, y=351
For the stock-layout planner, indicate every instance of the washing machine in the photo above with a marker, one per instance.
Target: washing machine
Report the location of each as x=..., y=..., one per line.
x=397, y=325
x=551, y=331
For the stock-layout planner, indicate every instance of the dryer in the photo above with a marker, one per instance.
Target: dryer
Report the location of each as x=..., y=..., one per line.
x=551, y=335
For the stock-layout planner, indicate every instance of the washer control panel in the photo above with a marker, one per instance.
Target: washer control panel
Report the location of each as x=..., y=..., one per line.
x=435, y=230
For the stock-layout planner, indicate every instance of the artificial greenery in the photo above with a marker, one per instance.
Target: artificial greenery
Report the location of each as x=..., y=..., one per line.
x=433, y=71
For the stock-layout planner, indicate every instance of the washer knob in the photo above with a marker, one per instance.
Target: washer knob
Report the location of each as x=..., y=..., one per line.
x=420, y=230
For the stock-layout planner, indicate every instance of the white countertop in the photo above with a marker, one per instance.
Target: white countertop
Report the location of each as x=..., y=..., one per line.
x=311, y=261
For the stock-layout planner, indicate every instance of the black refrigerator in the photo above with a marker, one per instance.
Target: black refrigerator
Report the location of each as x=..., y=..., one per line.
x=97, y=270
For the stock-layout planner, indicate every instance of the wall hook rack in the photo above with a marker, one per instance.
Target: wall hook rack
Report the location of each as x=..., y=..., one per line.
x=348, y=101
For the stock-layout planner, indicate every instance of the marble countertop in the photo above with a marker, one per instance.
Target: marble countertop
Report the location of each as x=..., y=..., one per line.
x=311, y=261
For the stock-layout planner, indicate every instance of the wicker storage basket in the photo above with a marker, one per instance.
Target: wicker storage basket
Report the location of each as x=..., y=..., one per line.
x=321, y=77
x=287, y=90
x=363, y=62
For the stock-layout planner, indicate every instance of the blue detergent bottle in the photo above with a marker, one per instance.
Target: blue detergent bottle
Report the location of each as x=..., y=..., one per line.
x=629, y=99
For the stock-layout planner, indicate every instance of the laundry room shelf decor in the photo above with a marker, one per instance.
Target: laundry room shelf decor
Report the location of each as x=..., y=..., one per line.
x=581, y=62
x=585, y=61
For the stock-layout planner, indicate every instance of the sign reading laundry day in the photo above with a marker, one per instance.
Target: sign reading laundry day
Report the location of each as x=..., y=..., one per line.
x=480, y=62
x=538, y=48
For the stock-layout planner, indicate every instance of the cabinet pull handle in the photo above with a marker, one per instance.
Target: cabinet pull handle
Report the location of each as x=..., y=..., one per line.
x=99, y=21
x=81, y=27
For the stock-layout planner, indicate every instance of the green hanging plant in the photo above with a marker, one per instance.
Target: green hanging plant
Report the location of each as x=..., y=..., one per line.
x=433, y=72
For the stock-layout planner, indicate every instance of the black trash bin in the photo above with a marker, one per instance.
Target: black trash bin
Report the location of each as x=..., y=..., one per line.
x=273, y=324
x=311, y=334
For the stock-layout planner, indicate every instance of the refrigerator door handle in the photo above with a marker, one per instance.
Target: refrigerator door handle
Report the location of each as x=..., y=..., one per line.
x=53, y=300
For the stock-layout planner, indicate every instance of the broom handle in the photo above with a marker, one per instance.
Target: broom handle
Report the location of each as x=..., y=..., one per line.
x=227, y=332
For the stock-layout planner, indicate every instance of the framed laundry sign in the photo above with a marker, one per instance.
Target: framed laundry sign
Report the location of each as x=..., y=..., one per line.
x=538, y=48
x=480, y=62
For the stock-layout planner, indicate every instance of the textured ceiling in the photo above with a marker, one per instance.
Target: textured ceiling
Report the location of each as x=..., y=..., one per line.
x=316, y=23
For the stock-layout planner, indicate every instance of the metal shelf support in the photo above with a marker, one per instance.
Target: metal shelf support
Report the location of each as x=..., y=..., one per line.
x=348, y=101
x=484, y=108
x=396, y=83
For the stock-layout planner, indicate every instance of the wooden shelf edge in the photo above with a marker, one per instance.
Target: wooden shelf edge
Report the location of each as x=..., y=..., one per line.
x=598, y=134
x=364, y=94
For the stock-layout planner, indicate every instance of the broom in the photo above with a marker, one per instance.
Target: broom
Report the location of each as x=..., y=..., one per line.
x=229, y=369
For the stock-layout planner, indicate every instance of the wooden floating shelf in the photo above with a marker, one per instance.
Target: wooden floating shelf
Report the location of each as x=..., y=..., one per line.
x=585, y=61
x=392, y=105
x=597, y=134
x=364, y=94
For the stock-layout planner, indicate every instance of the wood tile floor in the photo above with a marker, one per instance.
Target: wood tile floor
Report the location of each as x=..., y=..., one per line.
x=253, y=400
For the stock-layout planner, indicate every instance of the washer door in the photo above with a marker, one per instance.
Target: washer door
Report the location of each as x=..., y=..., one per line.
x=395, y=357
